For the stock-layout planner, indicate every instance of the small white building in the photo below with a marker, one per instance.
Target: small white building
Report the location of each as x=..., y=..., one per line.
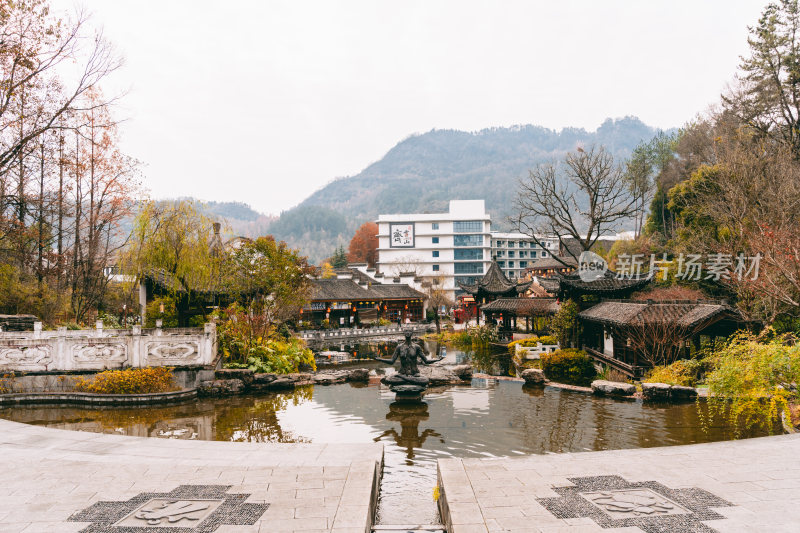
x=439, y=247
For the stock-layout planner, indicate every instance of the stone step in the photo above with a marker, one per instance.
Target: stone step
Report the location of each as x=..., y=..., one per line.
x=432, y=528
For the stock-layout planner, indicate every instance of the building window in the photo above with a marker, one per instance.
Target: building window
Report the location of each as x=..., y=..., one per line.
x=544, y=254
x=469, y=254
x=511, y=253
x=533, y=254
x=436, y=268
x=435, y=240
x=511, y=264
x=467, y=226
x=468, y=268
x=436, y=253
x=467, y=280
x=501, y=264
x=523, y=253
x=523, y=264
x=498, y=244
x=522, y=244
x=468, y=240
x=435, y=226
x=510, y=244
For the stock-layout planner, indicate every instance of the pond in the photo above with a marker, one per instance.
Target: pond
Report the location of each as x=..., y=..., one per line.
x=488, y=418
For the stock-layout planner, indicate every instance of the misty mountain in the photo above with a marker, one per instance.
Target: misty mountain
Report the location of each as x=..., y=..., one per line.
x=424, y=172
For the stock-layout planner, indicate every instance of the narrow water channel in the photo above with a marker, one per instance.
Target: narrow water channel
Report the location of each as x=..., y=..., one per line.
x=487, y=419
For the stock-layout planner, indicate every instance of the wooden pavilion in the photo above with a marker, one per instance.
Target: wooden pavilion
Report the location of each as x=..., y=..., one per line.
x=493, y=285
x=509, y=311
x=633, y=335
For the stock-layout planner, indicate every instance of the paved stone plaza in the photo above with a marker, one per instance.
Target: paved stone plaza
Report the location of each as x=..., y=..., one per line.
x=747, y=486
x=66, y=481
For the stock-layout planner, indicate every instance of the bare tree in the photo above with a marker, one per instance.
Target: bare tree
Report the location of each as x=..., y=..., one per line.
x=583, y=199
x=433, y=287
x=660, y=341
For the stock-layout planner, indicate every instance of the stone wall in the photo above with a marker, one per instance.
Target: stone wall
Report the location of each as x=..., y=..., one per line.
x=103, y=349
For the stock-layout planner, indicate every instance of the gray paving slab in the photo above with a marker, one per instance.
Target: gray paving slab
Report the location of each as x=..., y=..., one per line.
x=64, y=481
x=747, y=486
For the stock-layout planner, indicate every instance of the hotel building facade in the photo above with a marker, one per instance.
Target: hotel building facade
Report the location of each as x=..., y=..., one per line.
x=446, y=248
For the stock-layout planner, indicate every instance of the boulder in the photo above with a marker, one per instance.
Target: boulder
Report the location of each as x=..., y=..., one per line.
x=464, y=372
x=220, y=387
x=329, y=378
x=261, y=382
x=533, y=376
x=680, y=393
x=282, y=383
x=655, y=392
x=301, y=378
x=246, y=375
x=360, y=375
x=612, y=388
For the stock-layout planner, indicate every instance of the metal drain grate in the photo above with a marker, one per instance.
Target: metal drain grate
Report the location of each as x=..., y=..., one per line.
x=436, y=528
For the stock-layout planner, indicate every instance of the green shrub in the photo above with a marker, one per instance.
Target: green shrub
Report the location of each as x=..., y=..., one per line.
x=684, y=372
x=129, y=381
x=570, y=366
x=275, y=355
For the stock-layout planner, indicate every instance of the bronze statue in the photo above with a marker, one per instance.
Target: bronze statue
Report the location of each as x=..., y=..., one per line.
x=408, y=353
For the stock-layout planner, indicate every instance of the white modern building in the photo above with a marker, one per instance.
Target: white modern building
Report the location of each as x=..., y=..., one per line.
x=440, y=247
x=516, y=251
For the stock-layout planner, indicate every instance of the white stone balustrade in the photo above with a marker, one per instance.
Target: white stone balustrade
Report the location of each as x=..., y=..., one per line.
x=535, y=352
x=101, y=349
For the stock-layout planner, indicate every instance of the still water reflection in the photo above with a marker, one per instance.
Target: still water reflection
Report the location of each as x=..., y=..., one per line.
x=489, y=418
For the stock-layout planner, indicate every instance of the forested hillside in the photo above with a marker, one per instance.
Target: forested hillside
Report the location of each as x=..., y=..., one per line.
x=423, y=172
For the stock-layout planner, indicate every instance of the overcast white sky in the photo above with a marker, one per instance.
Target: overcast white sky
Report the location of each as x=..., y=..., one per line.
x=264, y=102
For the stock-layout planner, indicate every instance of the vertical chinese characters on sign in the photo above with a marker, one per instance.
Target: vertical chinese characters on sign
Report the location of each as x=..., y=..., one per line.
x=401, y=235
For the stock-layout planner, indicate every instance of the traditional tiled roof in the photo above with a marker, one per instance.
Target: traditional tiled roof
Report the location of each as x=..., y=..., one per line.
x=495, y=282
x=348, y=290
x=551, y=285
x=523, y=306
x=552, y=262
x=395, y=292
x=609, y=283
x=338, y=290
x=688, y=314
x=168, y=282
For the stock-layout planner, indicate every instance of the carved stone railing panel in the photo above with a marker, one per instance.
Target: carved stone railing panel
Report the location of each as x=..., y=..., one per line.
x=108, y=354
x=99, y=349
x=172, y=351
x=27, y=358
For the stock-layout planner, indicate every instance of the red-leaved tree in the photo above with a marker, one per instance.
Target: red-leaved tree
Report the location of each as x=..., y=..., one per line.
x=364, y=245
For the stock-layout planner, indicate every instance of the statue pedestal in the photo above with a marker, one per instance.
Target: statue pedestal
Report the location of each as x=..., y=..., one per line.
x=407, y=393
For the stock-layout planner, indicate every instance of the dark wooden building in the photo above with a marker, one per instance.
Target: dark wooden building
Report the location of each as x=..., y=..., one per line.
x=348, y=303
x=631, y=335
x=550, y=266
x=493, y=285
x=509, y=312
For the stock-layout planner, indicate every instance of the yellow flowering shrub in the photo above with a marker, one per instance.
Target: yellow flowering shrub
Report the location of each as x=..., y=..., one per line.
x=129, y=381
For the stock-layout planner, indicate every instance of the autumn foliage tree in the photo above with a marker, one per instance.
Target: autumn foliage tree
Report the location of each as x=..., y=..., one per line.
x=364, y=245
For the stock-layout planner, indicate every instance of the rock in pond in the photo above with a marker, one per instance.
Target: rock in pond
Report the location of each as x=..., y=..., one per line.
x=246, y=375
x=446, y=375
x=533, y=376
x=680, y=393
x=612, y=388
x=220, y=387
x=282, y=383
x=655, y=392
x=462, y=371
x=359, y=375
